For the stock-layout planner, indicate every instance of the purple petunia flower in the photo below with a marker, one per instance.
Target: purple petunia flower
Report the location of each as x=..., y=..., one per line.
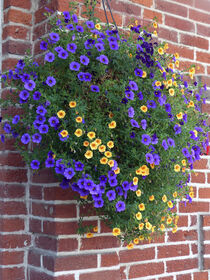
x=131, y=112
x=71, y=47
x=103, y=59
x=49, y=162
x=30, y=85
x=185, y=152
x=41, y=110
x=51, y=81
x=143, y=124
x=2, y=137
x=64, y=184
x=81, y=76
x=165, y=145
x=120, y=206
x=133, y=85
x=63, y=54
x=156, y=159
x=24, y=94
x=59, y=49
x=103, y=179
x=113, y=182
x=171, y=142
x=111, y=195
x=87, y=77
x=7, y=128
x=53, y=121
x=99, y=47
x=36, y=138
x=35, y=164
x=151, y=104
x=74, y=66
x=129, y=94
x=70, y=27
x=168, y=108
x=132, y=135
x=66, y=15
x=40, y=119
x=138, y=72
x=126, y=185
x=149, y=158
x=140, y=95
x=79, y=28
x=134, y=123
x=146, y=140
x=90, y=24
x=25, y=139
x=69, y=173
x=36, y=95
x=79, y=166
x=49, y=57
x=177, y=129
x=43, y=45
x=74, y=18
x=113, y=46
x=111, y=174
x=94, y=88
x=88, y=184
x=16, y=119
x=98, y=203
x=54, y=37
x=84, y=59
x=43, y=128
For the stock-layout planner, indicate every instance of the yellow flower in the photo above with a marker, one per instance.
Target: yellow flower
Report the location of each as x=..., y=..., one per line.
x=141, y=226
x=138, y=193
x=177, y=64
x=141, y=237
x=179, y=116
x=61, y=114
x=72, y=104
x=164, y=198
x=83, y=197
x=136, y=241
x=130, y=55
x=111, y=163
x=93, y=145
x=162, y=227
x=116, y=231
x=64, y=133
x=191, y=104
x=176, y=55
x=171, y=66
x=130, y=246
x=110, y=144
x=169, y=221
x=138, y=216
x=95, y=229
x=141, y=207
x=195, y=132
x=148, y=226
x=103, y=160
x=155, y=25
x=144, y=74
x=102, y=148
x=98, y=26
x=98, y=141
x=79, y=119
x=117, y=171
x=177, y=168
x=135, y=180
x=155, y=33
x=89, y=235
x=143, y=108
x=158, y=84
x=170, y=204
x=171, y=92
x=170, y=82
x=86, y=143
x=191, y=194
x=174, y=229
x=91, y=135
x=175, y=194
x=152, y=165
x=112, y=124
x=160, y=51
x=192, y=70
x=78, y=132
x=151, y=198
x=163, y=219
x=184, y=162
x=108, y=154
x=89, y=154
x=111, y=115
x=165, y=46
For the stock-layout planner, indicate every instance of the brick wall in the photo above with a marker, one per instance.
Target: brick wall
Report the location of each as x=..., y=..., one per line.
x=38, y=220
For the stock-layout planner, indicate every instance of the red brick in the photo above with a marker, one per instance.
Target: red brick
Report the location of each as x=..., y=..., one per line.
x=102, y=275
x=13, y=224
x=44, y=176
x=201, y=275
x=206, y=109
x=35, y=226
x=178, y=23
x=16, y=273
x=173, y=251
x=67, y=244
x=203, y=57
x=179, y=265
x=200, y=164
x=101, y=15
x=136, y=255
x=146, y=269
x=203, y=30
x=12, y=191
x=17, y=16
x=171, y=8
x=123, y=7
x=206, y=234
x=57, y=193
x=16, y=32
x=182, y=221
x=184, y=277
x=183, y=51
x=99, y=242
x=182, y=235
x=7, y=64
x=206, y=220
x=12, y=159
x=194, y=248
x=75, y=262
x=87, y=210
x=46, y=242
x=55, y=228
x=35, y=275
x=65, y=277
x=54, y=210
x=147, y=3
x=199, y=16
x=36, y=192
x=153, y=14
x=193, y=220
x=204, y=193
x=206, y=263
x=17, y=3
x=15, y=47
x=165, y=278
x=109, y=259
x=34, y=258
x=198, y=177
x=195, y=206
x=166, y=35
x=12, y=208
x=15, y=241
x=11, y=258
x=194, y=41
x=17, y=175
x=186, y=2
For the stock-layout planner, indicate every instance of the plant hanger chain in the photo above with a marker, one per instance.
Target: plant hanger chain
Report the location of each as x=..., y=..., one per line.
x=107, y=2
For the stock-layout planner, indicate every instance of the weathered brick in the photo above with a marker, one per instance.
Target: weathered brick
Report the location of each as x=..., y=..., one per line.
x=179, y=265
x=171, y=8
x=173, y=251
x=14, y=15
x=102, y=275
x=146, y=269
x=194, y=41
x=11, y=258
x=181, y=24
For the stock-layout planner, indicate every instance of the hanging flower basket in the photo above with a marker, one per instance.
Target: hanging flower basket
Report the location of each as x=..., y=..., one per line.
x=114, y=118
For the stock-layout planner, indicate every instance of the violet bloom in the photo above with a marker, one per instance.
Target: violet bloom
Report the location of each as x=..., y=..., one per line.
x=134, y=123
x=133, y=85
x=171, y=142
x=30, y=85
x=84, y=59
x=66, y=15
x=111, y=174
x=25, y=139
x=90, y=24
x=168, y=108
x=99, y=47
x=88, y=184
x=64, y=184
x=103, y=179
x=111, y=195
x=94, y=189
x=129, y=94
x=2, y=138
x=16, y=119
x=74, y=66
x=54, y=37
x=7, y=128
x=120, y=206
x=138, y=72
x=81, y=76
x=113, y=46
x=140, y=95
x=113, y=182
x=103, y=59
x=124, y=101
x=40, y=119
x=156, y=159
x=146, y=140
x=79, y=166
x=53, y=121
x=43, y=128
x=132, y=135
x=94, y=88
x=24, y=94
x=87, y=77
x=71, y=47
x=119, y=191
x=143, y=124
x=49, y=57
x=35, y=164
x=79, y=28
x=151, y=104
x=41, y=110
x=70, y=27
x=99, y=203
x=36, y=95
x=63, y=54
x=36, y=138
x=43, y=45
x=149, y=158
x=49, y=162
x=58, y=49
x=177, y=129
x=131, y=112
x=69, y=173
x=74, y=18
x=126, y=185
x=185, y=152
x=165, y=145
x=51, y=81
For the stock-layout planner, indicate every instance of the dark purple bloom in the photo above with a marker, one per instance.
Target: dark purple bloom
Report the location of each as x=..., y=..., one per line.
x=132, y=135
x=126, y=185
x=165, y=145
x=99, y=47
x=69, y=173
x=168, y=108
x=134, y=123
x=185, y=84
x=177, y=129
x=36, y=138
x=98, y=203
x=87, y=77
x=79, y=166
x=149, y=158
x=94, y=88
x=131, y=112
x=71, y=47
x=103, y=179
x=74, y=66
x=129, y=94
x=185, y=118
x=144, y=124
x=16, y=119
x=65, y=184
x=185, y=152
x=119, y=191
x=111, y=174
x=43, y=45
x=79, y=28
x=74, y=18
x=43, y=128
x=81, y=76
x=124, y=101
x=94, y=189
x=113, y=46
x=138, y=72
x=156, y=159
x=157, y=93
x=120, y=206
x=49, y=162
x=151, y=104
x=35, y=164
x=36, y=95
x=84, y=59
x=24, y=94
x=40, y=119
x=111, y=195
x=171, y=142
x=20, y=64
x=2, y=138
x=70, y=27
x=146, y=140
x=103, y=59
x=54, y=37
x=51, y=81
x=53, y=121
x=90, y=24
x=63, y=54
x=59, y=49
x=25, y=139
x=113, y=182
x=133, y=85
x=66, y=15
x=30, y=85
x=49, y=57
x=41, y=110
x=140, y=95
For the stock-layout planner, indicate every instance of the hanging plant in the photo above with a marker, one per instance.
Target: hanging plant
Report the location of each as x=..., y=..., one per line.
x=114, y=118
